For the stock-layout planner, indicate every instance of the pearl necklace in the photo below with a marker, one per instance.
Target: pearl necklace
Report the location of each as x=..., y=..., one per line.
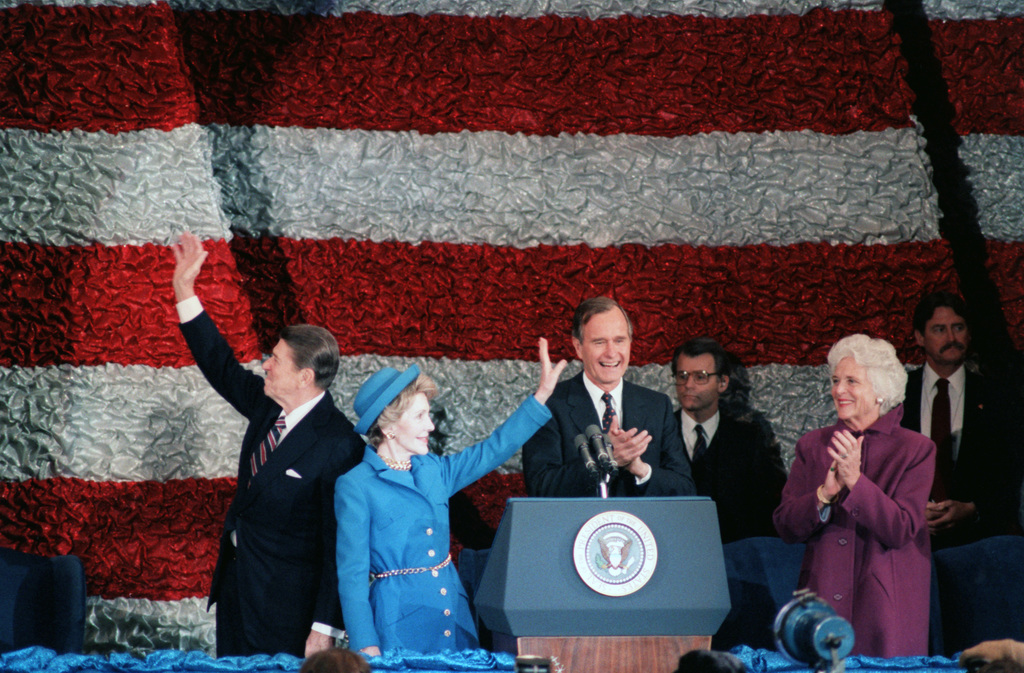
x=402, y=465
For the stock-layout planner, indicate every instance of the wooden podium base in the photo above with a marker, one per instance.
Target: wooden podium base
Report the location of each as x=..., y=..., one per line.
x=607, y=654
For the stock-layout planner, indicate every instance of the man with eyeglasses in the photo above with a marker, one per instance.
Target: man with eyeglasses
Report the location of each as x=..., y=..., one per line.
x=646, y=448
x=734, y=459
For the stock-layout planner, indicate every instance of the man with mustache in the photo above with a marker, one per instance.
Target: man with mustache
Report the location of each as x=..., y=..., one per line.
x=972, y=421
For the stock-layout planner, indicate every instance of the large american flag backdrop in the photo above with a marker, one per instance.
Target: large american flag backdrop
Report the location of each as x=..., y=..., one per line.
x=440, y=182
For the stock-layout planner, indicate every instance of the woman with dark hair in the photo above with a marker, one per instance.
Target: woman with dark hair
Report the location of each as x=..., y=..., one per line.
x=856, y=495
x=392, y=512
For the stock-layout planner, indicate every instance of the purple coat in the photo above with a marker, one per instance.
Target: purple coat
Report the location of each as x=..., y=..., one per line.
x=871, y=560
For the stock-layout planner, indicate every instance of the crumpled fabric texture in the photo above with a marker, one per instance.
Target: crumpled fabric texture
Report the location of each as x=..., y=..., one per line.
x=716, y=189
x=141, y=625
x=997, y=183
x=829, y=72
x=111, y=422
x=75, y=188
x=136, y=539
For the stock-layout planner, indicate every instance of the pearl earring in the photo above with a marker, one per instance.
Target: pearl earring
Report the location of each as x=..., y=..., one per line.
x=880, y=400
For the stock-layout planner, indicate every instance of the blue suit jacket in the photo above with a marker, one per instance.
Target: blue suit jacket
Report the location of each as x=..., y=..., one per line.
x=393, y=520
x=552, y=467
x=285, y=524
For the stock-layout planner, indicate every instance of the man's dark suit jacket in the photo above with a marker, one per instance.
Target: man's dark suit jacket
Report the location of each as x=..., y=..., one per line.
x=552, y=467
x=742, y=471
x=986, y=470
x=285, y=523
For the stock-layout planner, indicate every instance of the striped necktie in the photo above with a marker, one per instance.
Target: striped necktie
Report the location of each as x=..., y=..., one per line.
x=267, y=446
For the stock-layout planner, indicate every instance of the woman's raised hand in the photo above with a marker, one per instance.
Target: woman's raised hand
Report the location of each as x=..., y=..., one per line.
x=548, y=374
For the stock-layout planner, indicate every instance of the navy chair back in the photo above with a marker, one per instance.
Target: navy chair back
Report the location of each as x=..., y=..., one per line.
x=762, y=574
x=42, y=602
x=981, y=591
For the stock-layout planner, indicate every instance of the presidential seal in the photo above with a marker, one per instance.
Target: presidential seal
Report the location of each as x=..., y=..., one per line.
x=615, y=553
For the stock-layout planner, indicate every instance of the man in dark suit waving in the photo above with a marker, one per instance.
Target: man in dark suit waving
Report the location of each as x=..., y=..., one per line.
x=275, y=584
x=974, y=422
x=734, y=459
x=648, y=456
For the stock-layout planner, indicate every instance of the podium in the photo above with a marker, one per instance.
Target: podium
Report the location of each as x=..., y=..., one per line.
x=617, y=585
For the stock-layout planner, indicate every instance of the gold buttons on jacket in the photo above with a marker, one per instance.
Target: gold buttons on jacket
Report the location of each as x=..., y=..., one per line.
x=444, y=592
x=447, y=612
x=447, y=633
x=431, y=553
x=430, y=531
x=434, y=573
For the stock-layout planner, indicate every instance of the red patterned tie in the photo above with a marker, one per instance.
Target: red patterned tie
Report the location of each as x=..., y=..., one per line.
x=609, y=412
x=267, y=446
x=943, y=438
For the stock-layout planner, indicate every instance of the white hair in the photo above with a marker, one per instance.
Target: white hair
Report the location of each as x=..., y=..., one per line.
x=885, y=372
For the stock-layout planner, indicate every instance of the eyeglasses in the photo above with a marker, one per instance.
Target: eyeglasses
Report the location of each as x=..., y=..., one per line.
x=700, y=377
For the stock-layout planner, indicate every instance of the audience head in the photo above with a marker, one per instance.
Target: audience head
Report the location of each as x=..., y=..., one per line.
x=710, y=661
x=335, y=660
x=602, y=335
x=941, y=329
x=701, y=371
x=868, y=380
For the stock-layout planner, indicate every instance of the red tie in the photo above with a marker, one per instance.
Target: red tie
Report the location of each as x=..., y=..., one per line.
x=267, y=446
x=942, y=436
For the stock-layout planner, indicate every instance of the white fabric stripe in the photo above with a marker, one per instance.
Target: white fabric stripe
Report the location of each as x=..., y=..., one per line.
x=140, y=423
x=76, y=188
x=115, y=423
x=959, y=10
x=591, y=9
x=143, y=626
x=520, y=8
x=998, y=183
x=713, y=189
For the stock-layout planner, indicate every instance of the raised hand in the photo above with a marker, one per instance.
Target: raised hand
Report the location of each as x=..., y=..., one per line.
x=188, y=262
x=548, y=374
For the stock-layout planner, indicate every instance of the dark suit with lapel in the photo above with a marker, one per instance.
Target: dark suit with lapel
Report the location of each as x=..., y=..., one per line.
x=742, y=471
x=986, y=471
x=284, y=565
x=552, y=467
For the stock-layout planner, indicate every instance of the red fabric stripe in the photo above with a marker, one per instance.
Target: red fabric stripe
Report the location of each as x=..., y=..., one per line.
x=149, y=539
x=95, y=305
x=833, y=72
x=983, y=65
x=768, y=304
x=136, y=539
x=93, y=68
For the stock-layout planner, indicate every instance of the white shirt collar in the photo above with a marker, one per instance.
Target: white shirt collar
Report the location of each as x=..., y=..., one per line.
x=689, y=430
x=298, y=413
x=956, y=381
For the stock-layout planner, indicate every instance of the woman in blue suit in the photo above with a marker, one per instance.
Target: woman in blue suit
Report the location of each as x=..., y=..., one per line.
x=392, y=512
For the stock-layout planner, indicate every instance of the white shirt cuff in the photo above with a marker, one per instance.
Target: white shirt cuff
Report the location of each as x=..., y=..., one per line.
x=646, y=478
x=189, y=309
x=328, y=630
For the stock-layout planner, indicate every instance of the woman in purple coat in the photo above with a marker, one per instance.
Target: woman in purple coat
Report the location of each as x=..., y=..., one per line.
x=856, y=494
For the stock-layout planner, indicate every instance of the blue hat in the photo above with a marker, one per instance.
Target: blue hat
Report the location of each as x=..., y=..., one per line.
x=378, y=392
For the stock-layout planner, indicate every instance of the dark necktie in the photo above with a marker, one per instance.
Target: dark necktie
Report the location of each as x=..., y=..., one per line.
x=267, y=446
x=609, y=412
x=701, y=445
x=942, y=436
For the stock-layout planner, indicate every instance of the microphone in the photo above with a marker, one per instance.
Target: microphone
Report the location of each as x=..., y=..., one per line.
x=584, y=451
x=600, y=448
